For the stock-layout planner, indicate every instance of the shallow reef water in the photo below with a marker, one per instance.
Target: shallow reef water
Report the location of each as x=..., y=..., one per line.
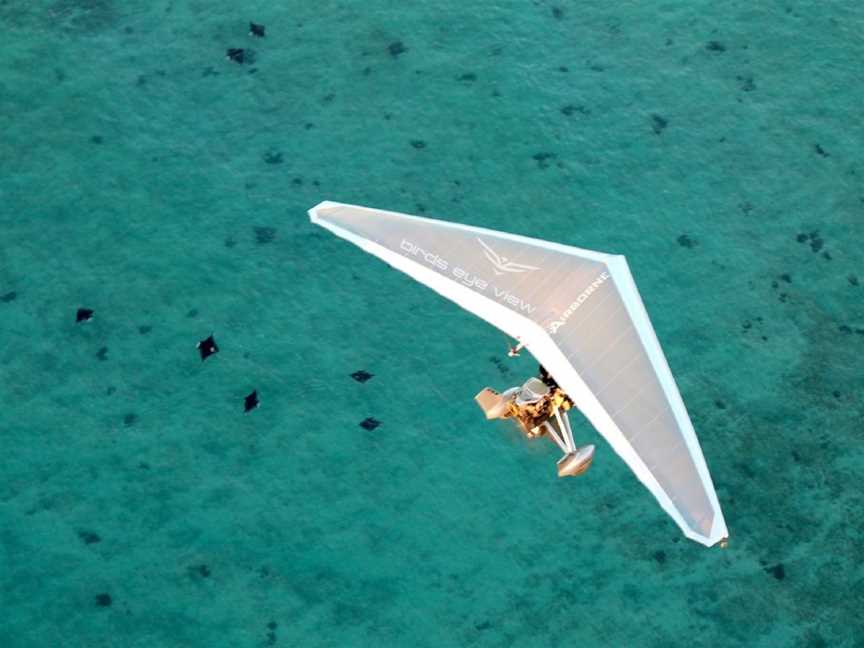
x=152, y=179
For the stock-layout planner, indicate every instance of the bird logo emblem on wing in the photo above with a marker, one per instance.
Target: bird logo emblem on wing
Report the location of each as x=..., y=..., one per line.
x=500, y=264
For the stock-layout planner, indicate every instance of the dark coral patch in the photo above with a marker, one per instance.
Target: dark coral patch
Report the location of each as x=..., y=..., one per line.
x=820, y=151
x=557, y=13
x=396, y=48
x=264, y=234
x=852, y=279
x=130, y=419
x=542, y=159
x=102, y=354
x=145, y=329
x=273, y=157
x=418, y=144
x=468, y=76
x=685, y=241
x=816, y=241
x=198, y=571
x=361, y=376
x=88, y=537
x=715, y=46
x=569, y=110
x=719, y=404
x=777, y=571
x=660, y=556
x=103, y=600
x=658, y=124
x=746, y=82
x=8, y=297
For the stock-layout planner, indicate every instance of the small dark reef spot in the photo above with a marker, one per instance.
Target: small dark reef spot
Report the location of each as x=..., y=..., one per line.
x=715, y=46
x=658, y=124
x=820, y=151
x=88, y=537
x=273, y=157
x=145, y=329
x=418, y=144
x=777, y=571
x=361, y=376
x=542, y=159
x=686, y=241
x=102, y=354
x=103, y=600
x=396, y=48
x=199, y=570
x=660, y=556
x=746, y=81
x=130, y=419
x=569, y=110
x=264, y=234
x=8, y=297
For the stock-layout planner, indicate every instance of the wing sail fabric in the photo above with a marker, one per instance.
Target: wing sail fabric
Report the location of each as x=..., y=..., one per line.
x=579, y=313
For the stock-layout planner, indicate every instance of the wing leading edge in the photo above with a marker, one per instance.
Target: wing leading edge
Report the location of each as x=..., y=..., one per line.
x=580, y=314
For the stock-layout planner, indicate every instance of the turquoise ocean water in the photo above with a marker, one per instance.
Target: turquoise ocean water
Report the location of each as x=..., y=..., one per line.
x=142, y=175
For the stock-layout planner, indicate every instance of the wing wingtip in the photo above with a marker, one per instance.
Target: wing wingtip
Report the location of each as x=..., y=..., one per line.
x=314, y=212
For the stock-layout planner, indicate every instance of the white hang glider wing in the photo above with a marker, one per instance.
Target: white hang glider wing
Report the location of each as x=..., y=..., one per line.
x=579, y=314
